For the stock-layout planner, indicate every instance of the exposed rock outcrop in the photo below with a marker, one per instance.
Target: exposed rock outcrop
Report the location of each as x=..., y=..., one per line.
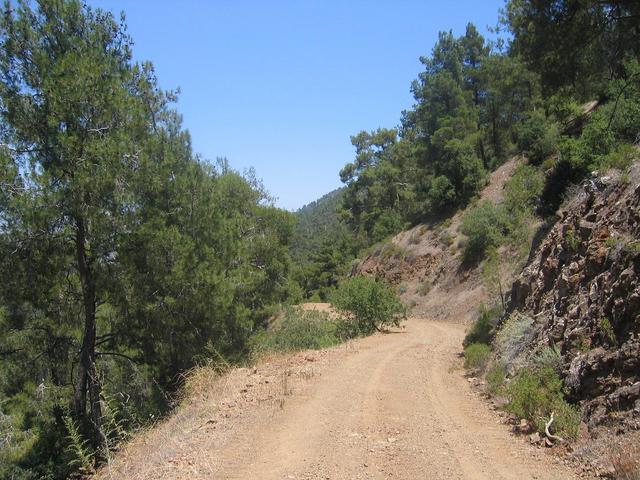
x=582, y=287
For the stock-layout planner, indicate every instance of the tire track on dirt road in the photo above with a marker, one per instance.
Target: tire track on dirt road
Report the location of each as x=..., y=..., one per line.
x=392, y=409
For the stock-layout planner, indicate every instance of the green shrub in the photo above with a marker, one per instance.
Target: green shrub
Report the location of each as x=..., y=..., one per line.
x=620, y=158
x=315, y=298
x=613, y=242
x=632, y=247
x=464, y=169
x=16, y=443
x=563, y=106
x=572, y=241
x=495, y=378
x=297, y=330
x=535, y=393
x=531, y=393
x=522, y=191
x=441, y=192
x=481, y=330
x=370, y=305
x=484, y=226
x=538, y=137
x=476, y=356
x=604, y=142
x=567, y=420
x=493, y=276
x=607, y=330
x=596, y=142
x=623, y=111
x=548, y=164
x=389, y=222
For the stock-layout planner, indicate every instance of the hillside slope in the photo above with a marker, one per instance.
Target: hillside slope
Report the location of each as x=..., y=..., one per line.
x=426, y=263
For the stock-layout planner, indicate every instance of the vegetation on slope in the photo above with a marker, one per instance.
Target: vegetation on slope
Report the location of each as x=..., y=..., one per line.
x=297, y=329
x=479, y=102
x=360, y=307
x=317, y=222
x=563, y=143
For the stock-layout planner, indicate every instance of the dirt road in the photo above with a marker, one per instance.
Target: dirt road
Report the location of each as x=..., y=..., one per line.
x=387, y=406
x=394, y=409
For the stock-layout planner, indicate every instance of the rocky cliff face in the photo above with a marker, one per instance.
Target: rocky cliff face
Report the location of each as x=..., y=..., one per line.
x=582, y=288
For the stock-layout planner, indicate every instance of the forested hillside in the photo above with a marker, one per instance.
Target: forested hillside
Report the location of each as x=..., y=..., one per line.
x=322, y=246
x=480, y=102
x=316, y=222
x=127, y=259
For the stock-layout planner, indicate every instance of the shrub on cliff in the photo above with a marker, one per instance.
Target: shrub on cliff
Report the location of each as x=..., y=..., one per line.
x=484, y=225
x=482, y=329
x=536, y=394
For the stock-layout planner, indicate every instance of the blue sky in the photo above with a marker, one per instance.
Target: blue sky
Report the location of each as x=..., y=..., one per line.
x=282, y=85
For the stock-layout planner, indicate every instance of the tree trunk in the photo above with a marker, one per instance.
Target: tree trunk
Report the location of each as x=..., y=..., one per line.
x=494, y=134
x=483, y=155
x=87, y=373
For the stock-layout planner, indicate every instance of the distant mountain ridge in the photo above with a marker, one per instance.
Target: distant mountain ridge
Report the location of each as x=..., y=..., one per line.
x=316, y=221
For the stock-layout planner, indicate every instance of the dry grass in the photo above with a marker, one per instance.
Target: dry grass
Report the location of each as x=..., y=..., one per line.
x=217, y=410
x=199, y=383
x=416, y=236
x=319, y=307
x=423, y=288
x=626, y=461
x=512, y=340
x=494, y=191
x=163, y=444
